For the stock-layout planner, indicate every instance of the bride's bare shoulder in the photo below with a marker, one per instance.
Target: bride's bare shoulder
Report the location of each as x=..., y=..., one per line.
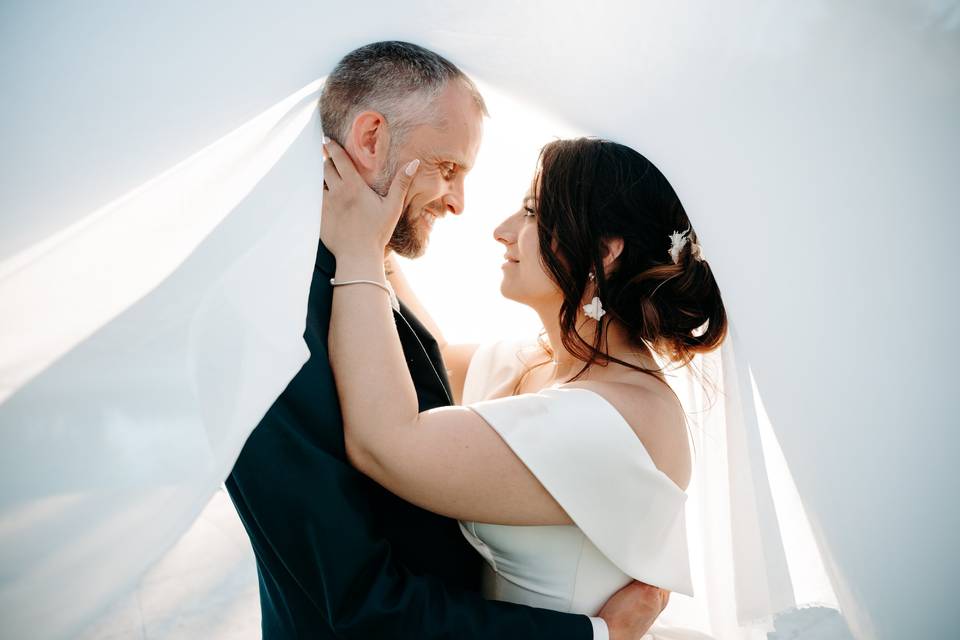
x=656, y=416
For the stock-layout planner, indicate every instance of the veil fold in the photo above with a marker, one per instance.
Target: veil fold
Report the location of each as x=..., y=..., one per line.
x=160, y=208
x=138, y=348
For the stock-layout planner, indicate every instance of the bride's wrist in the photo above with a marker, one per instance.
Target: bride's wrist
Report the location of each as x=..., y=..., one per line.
x=358, y=267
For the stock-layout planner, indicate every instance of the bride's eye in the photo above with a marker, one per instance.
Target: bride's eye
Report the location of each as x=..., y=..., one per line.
x=528, y=212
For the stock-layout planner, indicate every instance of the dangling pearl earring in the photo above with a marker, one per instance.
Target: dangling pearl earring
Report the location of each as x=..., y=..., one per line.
x=595, y=309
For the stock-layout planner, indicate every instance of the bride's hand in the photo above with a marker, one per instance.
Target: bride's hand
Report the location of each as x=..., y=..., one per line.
x=355, y=219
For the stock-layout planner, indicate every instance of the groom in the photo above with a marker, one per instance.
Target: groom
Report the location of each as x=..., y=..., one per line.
x=337, y=555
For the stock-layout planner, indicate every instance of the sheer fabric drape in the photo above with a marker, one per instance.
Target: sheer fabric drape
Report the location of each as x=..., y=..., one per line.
x=159, y=216
x=140, y=347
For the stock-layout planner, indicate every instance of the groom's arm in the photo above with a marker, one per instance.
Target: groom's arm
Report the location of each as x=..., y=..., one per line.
x=348, y=571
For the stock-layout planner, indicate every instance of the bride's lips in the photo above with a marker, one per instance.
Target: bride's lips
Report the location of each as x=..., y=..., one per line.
x=508, y=260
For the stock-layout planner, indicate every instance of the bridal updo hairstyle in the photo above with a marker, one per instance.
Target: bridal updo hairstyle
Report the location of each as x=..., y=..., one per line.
x=589, y=190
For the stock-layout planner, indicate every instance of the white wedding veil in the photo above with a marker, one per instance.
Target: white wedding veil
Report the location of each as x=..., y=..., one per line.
x=159, y=211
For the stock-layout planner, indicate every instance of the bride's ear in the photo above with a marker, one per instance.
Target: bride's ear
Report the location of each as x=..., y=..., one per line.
x=611, y=248
x=368, y=142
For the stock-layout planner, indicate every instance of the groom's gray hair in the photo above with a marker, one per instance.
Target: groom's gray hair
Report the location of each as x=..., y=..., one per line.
x=397, y=79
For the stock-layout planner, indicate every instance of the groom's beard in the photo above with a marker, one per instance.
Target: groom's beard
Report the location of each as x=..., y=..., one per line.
x=408, y=239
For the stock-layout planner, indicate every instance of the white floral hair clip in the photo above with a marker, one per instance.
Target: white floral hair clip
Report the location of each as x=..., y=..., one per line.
x=678, y=241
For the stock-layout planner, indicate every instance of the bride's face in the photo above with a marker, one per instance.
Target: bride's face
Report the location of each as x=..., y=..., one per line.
x=524, y=277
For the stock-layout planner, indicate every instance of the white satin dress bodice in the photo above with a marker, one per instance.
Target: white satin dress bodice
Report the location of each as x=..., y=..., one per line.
x=628, y=515
x=553, y=567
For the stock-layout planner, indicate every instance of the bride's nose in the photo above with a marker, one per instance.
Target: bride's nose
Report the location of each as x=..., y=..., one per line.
x=505, y=233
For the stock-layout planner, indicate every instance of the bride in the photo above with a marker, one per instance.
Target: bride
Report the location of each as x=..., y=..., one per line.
x=567, y=458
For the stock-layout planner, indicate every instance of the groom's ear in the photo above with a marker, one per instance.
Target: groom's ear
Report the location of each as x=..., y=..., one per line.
x=368, y=142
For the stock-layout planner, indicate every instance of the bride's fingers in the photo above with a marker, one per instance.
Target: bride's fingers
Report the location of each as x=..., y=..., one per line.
x=342, y=163
x=331, y=177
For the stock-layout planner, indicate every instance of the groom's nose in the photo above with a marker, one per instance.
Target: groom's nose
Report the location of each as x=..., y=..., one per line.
x=453, y=200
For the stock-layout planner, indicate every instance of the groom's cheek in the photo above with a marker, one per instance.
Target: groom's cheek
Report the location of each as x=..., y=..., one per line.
x=410, y=198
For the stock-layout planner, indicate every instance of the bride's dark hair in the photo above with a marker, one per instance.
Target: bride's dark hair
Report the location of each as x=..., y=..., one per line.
x=590, y=190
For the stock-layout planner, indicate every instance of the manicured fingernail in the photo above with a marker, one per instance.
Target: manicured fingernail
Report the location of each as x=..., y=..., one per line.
x=326, y=140
x=411, y=167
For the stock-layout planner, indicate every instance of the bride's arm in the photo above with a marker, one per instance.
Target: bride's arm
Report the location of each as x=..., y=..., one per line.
x=447, y=460
x=456, y=357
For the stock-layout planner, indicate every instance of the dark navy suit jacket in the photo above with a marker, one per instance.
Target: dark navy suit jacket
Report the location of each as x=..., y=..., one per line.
x=337, y=555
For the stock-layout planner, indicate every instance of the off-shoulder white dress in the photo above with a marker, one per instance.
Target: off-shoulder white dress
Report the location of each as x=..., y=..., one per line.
x=629, y=515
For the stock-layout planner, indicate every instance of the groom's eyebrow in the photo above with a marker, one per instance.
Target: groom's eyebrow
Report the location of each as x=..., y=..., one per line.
x=462, y=165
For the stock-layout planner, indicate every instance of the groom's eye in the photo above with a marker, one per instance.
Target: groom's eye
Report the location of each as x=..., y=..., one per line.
x=448, y=170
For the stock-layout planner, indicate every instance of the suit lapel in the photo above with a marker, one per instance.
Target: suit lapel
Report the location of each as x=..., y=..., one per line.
x=419, y=347
x=424, y=360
